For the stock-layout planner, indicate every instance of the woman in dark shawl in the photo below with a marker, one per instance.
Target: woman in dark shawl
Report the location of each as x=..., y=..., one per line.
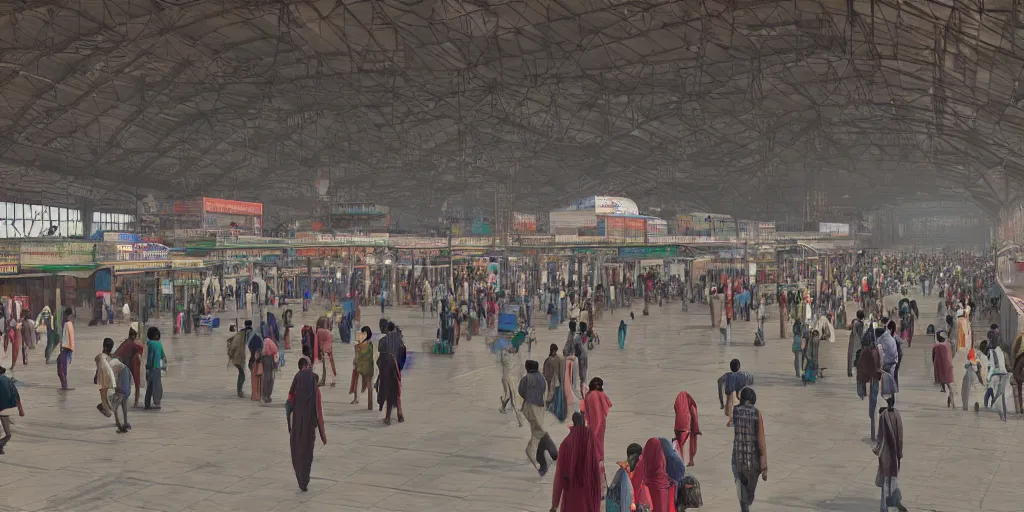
x=577, y=483
x=389, y=383
x=306, y=417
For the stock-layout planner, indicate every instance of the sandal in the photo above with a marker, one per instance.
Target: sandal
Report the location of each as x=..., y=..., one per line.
x=401, y=419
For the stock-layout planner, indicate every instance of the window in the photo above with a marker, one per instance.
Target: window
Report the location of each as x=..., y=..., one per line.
x=116, y=222
x=32, y=220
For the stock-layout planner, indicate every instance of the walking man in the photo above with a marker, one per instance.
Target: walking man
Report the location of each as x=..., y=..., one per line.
x=532, y=389
x=67, y=349
x=749, y=448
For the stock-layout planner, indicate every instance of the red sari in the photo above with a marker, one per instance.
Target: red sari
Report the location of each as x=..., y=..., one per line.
x=650, y=472
x=597, y=405
x=686, y=426
x=577, y=483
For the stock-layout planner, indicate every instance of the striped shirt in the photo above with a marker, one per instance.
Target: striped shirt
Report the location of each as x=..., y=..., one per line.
x=746, y=453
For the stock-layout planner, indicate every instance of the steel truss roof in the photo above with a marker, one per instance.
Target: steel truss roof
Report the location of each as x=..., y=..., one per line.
x=744, y=107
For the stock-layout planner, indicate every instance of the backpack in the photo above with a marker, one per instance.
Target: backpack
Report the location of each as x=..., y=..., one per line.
x=613, y=496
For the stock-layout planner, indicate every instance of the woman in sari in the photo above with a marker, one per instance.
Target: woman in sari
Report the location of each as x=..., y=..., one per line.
x=597, y=405
x=686, y=426
x=577, y=483
x=129, y=352
x=305, y=419
x=362, y=368
x=554, y=371
x=622, y=334
x=269, y=364
x=650, y=472
x=571, y=381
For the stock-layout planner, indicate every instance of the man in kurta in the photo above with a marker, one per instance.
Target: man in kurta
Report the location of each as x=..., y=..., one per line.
x=942, y=364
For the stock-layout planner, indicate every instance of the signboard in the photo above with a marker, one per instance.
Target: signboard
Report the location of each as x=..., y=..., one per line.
x=57, y=253
x=524, y=222
x=649, y=252
x=246, y=254
x=135, y=252
x=834, y=229
x=7, y=269
x=136, y=266
x=361, y=209
x=166, y=287
x=230, y=207
x=656, y=226
x=121, y=237
x=187, y=264
x=604, y=205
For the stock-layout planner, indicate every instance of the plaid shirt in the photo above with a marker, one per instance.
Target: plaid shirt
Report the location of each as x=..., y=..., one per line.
x=746, y=454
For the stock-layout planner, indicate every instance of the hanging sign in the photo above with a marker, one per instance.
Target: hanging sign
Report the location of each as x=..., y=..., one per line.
x=187, y=263
x=135, y=266
x=229, y=207
x=7, y=269
x=121, y=237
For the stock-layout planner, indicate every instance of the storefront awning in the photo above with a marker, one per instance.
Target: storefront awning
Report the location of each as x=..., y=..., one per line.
x=80, y=274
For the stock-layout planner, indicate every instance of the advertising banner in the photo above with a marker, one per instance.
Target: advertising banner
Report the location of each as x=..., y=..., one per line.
x=361, y=209
x=57, y=253
x=834, y=229
x=134, y=252
x=524, y=222
x=231, y=207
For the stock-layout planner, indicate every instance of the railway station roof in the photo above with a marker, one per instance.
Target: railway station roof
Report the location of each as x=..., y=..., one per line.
x=741, y=107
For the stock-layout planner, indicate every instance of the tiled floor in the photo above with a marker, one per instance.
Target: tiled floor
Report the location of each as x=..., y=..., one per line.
x=210, y=451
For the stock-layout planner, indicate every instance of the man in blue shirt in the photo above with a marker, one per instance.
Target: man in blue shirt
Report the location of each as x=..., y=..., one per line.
x=732, y=382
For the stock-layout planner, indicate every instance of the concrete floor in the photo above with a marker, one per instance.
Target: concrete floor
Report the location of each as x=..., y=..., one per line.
x=207, y=450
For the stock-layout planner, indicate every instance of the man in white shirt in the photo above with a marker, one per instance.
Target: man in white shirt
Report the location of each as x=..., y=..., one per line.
x=998, y=379
x=126, y=313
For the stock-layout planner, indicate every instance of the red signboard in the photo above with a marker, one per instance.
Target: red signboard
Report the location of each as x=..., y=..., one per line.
x=230, y=207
